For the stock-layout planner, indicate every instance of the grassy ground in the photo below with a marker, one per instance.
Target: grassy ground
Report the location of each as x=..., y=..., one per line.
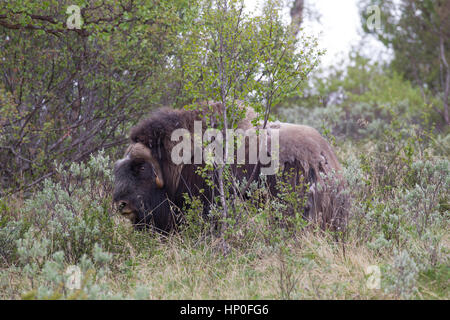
x=313, y=266
x=398, y=223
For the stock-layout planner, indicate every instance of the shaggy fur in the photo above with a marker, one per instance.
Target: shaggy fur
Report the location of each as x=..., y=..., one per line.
x=155, y=133
x=308, y=154
x=303, y=151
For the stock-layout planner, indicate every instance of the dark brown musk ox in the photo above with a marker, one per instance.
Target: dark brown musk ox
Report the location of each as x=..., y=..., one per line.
x=148, y=182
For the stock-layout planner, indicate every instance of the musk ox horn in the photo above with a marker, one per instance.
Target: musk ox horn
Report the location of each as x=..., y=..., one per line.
x=140, y=151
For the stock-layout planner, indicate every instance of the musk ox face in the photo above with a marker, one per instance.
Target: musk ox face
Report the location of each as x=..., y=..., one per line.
x=139, y=194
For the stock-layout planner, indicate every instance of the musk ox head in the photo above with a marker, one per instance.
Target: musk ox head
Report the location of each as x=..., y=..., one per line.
x=139, y=192
x=146, y=180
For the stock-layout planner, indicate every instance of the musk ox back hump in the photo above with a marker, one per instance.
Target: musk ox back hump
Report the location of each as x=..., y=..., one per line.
x=303, y=149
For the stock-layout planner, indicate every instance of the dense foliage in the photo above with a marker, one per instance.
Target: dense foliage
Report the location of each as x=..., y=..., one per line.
x=418, y=33
x=65, y=93
x=67, y=97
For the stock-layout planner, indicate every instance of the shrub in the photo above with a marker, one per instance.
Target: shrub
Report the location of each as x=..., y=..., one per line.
x=256, y=219
x=49, y=274
x=73, y=211
x=401, y=276
x=10, y=232
x=72, y=93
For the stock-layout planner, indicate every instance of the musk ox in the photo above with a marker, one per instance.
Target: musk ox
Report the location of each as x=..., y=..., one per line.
x=148, y=181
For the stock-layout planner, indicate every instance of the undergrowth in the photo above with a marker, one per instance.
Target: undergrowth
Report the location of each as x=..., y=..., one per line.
x=398, y=222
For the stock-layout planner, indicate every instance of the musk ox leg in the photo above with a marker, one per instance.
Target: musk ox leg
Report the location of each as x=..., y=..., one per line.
x=324, y=203
x=292, y=175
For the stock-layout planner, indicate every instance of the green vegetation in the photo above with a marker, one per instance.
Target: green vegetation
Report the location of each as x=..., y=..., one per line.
x=418, y=33
x=65, y=95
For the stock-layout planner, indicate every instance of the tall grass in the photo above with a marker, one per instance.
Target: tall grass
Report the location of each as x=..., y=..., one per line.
x=399, y=222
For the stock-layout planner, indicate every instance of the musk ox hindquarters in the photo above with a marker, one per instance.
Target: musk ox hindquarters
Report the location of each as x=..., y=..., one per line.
x=147, y=181
x=307, y=158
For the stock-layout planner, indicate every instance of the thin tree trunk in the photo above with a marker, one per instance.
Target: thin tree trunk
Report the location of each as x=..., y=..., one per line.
x=224, y=225
x=297, y=14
